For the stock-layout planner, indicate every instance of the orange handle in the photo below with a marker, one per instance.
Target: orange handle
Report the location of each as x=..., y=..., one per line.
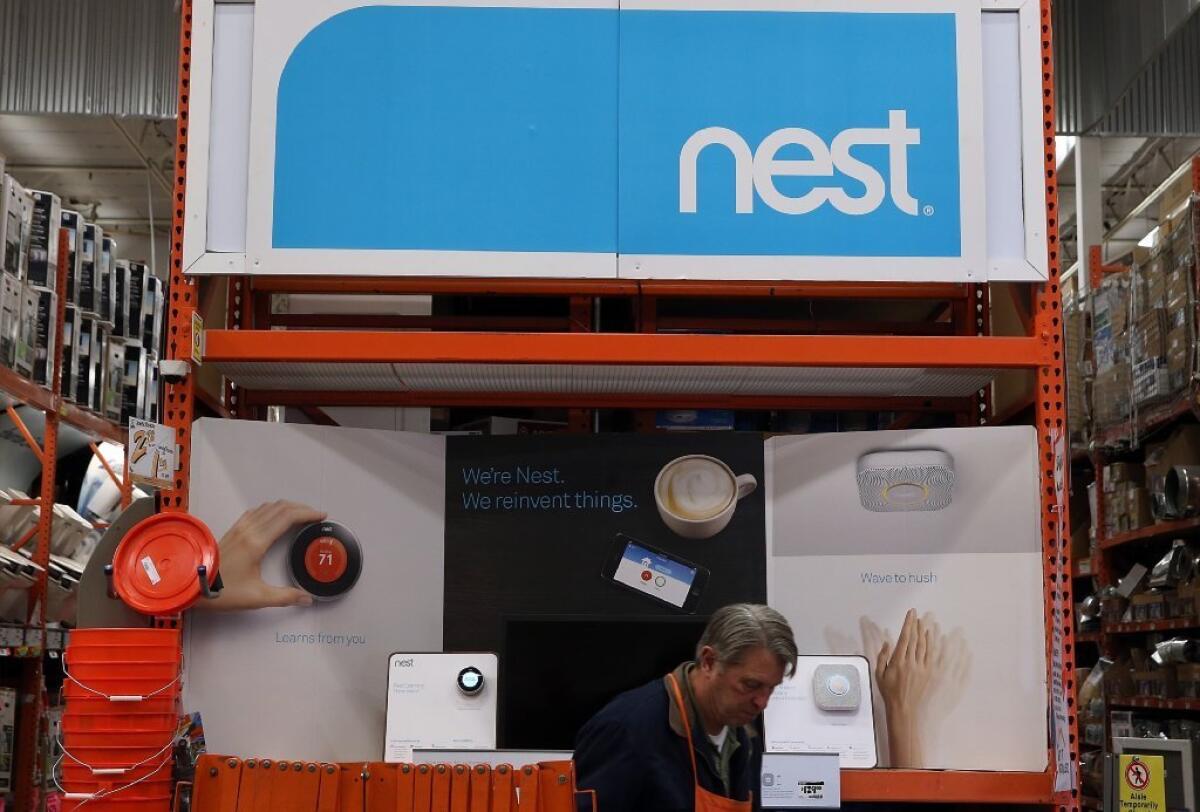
x=441, y=788
x=248, y=792
x=460, y=788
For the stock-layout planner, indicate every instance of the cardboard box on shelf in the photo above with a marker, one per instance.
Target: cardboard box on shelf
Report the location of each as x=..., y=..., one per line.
x=113, y=377
x=89, y=266
x=8, y=725
x=86, y=348
x=1137, y=507
x=14, y=223
x=1155, y=274
x=107, y=281
x=1181, y=448
x=1180, y=349
x=1112, y=394
x=42, y=267
x=1149, y=336
x=69, y=381
x=12, y=298
x=1179, y=287
x=134, y=303
x=101, y=336
x=1174, y=195
x=72, y=222
x=1117, y=474
x=45, y=306
x=1151, y=381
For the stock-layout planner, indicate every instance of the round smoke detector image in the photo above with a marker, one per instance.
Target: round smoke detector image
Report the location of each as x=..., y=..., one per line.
x=906, y=480
x=325, y=560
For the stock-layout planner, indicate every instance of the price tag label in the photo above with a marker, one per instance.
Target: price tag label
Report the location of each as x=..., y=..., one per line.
x=197, y=338
x=151, y=453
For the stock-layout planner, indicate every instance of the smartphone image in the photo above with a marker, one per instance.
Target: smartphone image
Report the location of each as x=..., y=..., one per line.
x=638, y=566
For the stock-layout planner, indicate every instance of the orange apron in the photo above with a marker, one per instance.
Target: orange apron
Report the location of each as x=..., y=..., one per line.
x=705, y=801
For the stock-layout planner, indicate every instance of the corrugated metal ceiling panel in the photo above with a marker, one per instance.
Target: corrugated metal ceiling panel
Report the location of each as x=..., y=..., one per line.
x=117, y=57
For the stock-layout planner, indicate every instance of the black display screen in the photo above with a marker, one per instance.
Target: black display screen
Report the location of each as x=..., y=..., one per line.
x=556, y=672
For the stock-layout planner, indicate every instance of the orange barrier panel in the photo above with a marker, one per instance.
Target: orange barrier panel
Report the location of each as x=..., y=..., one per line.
x=503, y=796
x=327, y=795
x=295, y=786
x=225, y=784
x=481, y=789
x=350, y=789
x=216, y=786
x=460, y=789
x=423, y=789
x=556, y=780
x=404, y=788
x=381, y=787
x=441, y=788
x=527, y=789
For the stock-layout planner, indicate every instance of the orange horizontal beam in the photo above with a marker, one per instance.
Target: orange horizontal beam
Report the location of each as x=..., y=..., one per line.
x=566, y=400
x=603, y=287
x=932, y=786
x=979, y=352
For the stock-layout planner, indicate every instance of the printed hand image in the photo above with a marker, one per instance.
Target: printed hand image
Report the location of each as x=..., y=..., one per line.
x=919, y=680
x=242, y=551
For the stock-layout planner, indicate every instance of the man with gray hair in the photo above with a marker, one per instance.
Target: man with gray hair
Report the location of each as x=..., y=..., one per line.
x=687, y=741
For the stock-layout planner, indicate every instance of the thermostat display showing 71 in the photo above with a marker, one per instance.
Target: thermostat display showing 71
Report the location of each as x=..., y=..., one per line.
x=151, y=453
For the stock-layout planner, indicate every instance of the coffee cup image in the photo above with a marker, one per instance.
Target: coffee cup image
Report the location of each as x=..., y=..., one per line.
x=697, y=495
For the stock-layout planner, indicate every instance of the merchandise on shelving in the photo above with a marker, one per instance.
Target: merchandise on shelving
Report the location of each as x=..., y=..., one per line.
x=41, y=268
x=72, y=223
x=89, y=269
x=15, y=211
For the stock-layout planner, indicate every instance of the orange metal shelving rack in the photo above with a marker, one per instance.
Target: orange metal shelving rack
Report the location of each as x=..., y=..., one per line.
x=248, y=346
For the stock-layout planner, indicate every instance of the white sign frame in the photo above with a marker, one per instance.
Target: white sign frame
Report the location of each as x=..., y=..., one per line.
x=205, y=151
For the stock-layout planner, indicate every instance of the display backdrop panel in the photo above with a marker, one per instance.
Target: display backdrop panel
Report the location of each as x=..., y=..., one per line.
x=273, y=680
x=543, y=138
x=920, y=550
x=532, y=523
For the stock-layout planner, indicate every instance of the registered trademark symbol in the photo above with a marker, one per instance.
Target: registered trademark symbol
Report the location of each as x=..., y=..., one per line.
x=928, y=211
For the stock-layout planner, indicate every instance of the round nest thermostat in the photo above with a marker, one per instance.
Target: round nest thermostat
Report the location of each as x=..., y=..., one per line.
x=470, y=680
x=325, y=560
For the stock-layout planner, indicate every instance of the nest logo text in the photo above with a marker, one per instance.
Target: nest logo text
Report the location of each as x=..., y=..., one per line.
x=757, y=172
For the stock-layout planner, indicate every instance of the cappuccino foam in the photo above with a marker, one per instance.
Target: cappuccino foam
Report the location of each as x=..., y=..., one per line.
x=696, y=489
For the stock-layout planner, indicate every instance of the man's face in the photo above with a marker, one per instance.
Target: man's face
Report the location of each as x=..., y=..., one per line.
x=740, y=691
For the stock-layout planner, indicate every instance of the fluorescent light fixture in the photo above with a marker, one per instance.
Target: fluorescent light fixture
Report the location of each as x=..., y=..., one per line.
x=906, y=480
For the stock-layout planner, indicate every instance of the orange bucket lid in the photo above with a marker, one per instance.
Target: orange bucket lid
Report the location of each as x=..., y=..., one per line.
x=154, y=568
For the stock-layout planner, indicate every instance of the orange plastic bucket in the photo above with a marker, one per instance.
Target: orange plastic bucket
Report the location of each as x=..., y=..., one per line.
x=116, y=723
x=155, y=740
x=156, y=566
x=89, y=673
x=103, y=688
x=122, y=653
x=88, y=704
x=124, y=637
x=151, y=780
x=117, y=803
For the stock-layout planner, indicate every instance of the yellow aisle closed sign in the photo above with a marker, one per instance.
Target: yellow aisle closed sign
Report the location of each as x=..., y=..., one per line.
x=1141, y=780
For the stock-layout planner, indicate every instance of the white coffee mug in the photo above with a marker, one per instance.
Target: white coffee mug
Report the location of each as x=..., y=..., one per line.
x=697, y=494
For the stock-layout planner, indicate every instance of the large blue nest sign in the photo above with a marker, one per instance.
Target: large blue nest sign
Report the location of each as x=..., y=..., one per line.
x=658, y=139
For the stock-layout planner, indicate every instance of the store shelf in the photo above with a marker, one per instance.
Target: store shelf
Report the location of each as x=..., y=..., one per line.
x=1153, y=626
x=925, y=786
x=1087, y=637
x=1081, y=568
x=1162, y=530
x=1150, y=419
x=18, y=390
x=593, y=367
x=1156, y=703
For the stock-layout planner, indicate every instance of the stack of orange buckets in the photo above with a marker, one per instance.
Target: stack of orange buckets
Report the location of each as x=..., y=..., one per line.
x=122, y=712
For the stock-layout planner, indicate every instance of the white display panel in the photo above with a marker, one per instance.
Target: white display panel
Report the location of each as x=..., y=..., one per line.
x=795, y=723
x=1005, y=236
x=426, y=709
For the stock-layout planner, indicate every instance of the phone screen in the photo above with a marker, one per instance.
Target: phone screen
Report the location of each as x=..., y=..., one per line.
x=655, y=574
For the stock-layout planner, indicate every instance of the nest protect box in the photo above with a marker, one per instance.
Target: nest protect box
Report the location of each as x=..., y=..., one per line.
x=440, y=702
x=905, y=480
x=325, y=560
